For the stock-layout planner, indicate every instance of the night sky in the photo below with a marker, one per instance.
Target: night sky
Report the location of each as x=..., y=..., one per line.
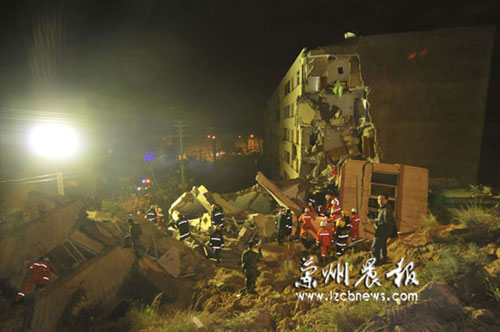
x=216, y=60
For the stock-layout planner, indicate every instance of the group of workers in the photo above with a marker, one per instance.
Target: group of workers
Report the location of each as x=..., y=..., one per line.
x=336, y=226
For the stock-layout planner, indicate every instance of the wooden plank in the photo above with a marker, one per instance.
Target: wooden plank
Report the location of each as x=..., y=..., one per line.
x=414, y=204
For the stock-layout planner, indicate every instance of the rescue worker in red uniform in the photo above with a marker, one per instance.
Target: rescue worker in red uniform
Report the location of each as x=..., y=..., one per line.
x=324, y=238
x=305, y=222
x=355, y=219
x=39, y=274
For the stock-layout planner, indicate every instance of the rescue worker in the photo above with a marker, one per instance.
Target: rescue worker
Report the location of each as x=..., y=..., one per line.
x=280, y=223
x=355, y=219
x=384, y=225
x=217, y=215
x=343, y=229
x=217, y=241
x=324, y=238
x=39, y=275
x=312, y=209
x=249, y=260
x=182, y=224
x=305, y=222
x=159, y=216
x=135, y=232
x=288, y=223
x=151, y=214
x=335, y=216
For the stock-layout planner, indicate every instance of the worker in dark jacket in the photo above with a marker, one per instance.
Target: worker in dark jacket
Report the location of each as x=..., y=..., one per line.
x=249, y=260
x=217, y=241
x=39, y=275
x=217, y=215
x=384, y=225
x=135, y=233
x=182, y=225
x=151, y=214
x=342, y=231
x=288, y=222
x=281, y=224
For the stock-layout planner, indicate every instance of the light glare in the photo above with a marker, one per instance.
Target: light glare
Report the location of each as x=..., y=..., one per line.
x=53, y=140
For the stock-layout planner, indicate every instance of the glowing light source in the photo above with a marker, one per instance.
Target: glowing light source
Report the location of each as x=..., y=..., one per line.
x=53, y=140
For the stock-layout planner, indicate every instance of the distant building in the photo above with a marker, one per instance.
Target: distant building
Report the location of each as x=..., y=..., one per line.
x=415, y=98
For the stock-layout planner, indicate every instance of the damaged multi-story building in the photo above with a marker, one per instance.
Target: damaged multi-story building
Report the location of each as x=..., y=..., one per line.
x=415, y=98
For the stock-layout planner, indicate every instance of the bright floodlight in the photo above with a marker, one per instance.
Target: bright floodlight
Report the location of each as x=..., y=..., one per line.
x=53, y=140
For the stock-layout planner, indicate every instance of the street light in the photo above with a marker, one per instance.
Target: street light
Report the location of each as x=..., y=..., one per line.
x=55, y=141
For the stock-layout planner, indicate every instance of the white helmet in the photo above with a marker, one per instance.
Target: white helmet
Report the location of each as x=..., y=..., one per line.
x=353, y=210
x=322, y=223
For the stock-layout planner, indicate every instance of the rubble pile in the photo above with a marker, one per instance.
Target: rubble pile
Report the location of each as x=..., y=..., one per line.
x=93, y=275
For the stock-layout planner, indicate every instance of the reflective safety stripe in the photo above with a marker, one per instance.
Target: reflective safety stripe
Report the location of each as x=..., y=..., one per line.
x=217, y=214
x=216, y=247
x=324, y=234
x=341, y=244
x=215, y=239
x=343, y=236
x=45, y=278
x=182, y=222
x=22, y=294
x=185, y=235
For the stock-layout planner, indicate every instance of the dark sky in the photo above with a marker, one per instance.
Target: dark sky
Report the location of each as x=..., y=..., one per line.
x=217, y=59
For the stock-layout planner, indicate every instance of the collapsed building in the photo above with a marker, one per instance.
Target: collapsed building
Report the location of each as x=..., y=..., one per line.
x=395, y=98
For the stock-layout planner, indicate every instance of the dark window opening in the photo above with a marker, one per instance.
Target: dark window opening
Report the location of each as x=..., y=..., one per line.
x=340, y=70
x=385, y=178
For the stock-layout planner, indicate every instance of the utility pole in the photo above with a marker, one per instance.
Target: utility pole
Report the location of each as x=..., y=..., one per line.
x=181, y=125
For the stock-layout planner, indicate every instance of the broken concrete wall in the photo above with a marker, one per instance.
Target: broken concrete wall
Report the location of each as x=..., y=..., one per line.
x=253, y=200
x=97, y=282
x=188, y=205
x=29, y=241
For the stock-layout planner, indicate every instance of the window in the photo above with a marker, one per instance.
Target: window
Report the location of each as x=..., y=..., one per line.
x=340, y=70
x=287, y=88
x=286, y=134
x=287, y=112
x=287, y=157
x=298, y=77
x=383, y=183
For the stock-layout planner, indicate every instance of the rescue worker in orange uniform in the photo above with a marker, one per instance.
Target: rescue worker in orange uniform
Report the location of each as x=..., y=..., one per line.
x=324, y=238
x=335, y=216
x=305, y=222
x=159, y=216
x=39, y=274
x=355, y=219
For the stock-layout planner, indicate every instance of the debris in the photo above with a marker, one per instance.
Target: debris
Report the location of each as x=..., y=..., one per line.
x=274, y=191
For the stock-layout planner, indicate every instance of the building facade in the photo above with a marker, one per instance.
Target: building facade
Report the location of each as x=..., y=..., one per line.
x=415, y=98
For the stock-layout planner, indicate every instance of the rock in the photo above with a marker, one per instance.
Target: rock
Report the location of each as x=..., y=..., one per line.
x=265, y=224
x=490, y=249
x=493, y=269
x=485, y=316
